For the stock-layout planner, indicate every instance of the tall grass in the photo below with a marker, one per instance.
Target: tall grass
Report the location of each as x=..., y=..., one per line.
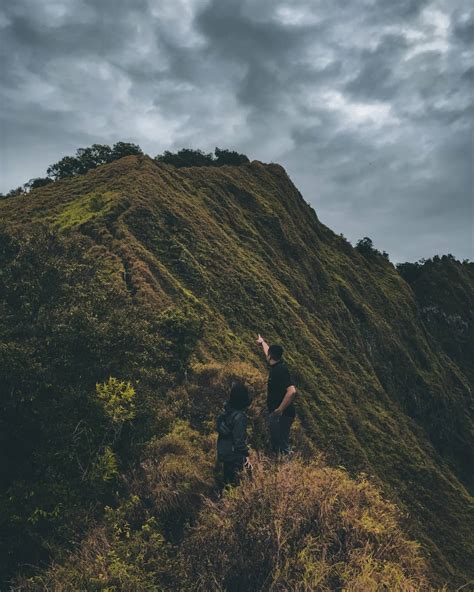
x=301, y=527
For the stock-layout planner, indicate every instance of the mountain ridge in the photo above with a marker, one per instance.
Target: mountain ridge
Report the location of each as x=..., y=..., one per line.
x=239, y=248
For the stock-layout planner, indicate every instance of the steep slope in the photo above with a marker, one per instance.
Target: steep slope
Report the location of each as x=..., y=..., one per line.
x=444, y=291
x=239, y=248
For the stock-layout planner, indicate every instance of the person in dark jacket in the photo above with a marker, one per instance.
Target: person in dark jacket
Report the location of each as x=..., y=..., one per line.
x=281, y=393
x=232, y=433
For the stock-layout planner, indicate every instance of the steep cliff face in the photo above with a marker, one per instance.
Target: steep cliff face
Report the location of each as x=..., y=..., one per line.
x=444, y=291
x=239, y=249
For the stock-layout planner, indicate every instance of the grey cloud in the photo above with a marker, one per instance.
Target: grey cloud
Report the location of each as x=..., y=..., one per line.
x=367, y=104
x=387, y=11
x=376, y=80
x=265, y=49
x=468, y=75
x=463, y=29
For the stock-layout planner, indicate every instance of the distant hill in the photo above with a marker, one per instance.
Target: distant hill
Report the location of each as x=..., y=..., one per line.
x=163, y=277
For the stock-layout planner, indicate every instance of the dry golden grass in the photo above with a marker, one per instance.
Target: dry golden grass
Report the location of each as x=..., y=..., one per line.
x=301, y=527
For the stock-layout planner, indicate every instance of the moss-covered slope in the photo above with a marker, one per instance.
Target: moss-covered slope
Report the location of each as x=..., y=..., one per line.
x=444, y=291
x=240, y=248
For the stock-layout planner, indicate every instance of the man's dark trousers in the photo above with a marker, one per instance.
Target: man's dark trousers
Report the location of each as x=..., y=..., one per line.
x=280, y=432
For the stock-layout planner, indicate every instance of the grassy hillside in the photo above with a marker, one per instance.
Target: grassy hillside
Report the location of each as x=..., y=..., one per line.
x=444, y=291
x=163, y=277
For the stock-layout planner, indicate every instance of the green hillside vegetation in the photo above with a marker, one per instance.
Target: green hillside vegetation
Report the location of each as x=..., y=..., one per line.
x=132, y=296
x=85, y=208
x=444, y=290
x=295, y=526
x=88, y=159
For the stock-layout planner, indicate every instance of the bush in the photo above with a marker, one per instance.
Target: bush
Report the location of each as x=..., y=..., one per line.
x=67, y=324
x=38, y=182
x=116, y=556
x=117, y=399
x=177, y=469
x=229, y=157
x=301, y=527
x=90, y=158
x=365, y=246
x=410, y=272
x=129, y=550
x=15, y=192
x=187, y=157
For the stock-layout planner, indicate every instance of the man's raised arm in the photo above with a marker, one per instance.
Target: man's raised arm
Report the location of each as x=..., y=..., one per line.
x=263, y=343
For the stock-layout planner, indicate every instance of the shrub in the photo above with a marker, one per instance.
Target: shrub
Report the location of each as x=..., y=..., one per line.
x=121, y=149
x=66, y=325
x=301, y=527
x=177, y=469
x=105, y=467
x=117, y=399
x=229, y=157
x=128, y=551
x=90, y=158
x=365, y=246
x=15, y=192
x=38, y=182
x=187, y=157
x=116, y=556
x=180, y=331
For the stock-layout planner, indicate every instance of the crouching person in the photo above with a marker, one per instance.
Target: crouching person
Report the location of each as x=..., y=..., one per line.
x=232, y=434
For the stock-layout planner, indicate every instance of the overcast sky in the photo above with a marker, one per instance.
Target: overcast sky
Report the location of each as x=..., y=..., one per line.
x=368, y=104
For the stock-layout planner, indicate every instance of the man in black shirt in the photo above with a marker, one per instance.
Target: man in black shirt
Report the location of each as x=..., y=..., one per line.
x=280, y=395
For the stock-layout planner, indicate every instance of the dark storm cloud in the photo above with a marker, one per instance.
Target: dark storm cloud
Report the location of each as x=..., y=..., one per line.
x=386, y=11
x=367, y=104
x=377, y=78
x=463, y=29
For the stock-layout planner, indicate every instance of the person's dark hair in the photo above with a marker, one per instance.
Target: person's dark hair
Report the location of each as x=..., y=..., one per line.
x=239, y=396
x=275, y=352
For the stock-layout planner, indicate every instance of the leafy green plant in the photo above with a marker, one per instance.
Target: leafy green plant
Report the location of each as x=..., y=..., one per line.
x=104, y=467
x=118, y=400
x=118, y=556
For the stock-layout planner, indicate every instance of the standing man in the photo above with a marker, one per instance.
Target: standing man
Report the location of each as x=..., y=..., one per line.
x=280, y=396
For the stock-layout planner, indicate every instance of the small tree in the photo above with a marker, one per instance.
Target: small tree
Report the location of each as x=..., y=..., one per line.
x=410, y=271
x=93, y=156
x=38, y=182
x=365, y=246
x=66, y=167
x=122, y=149
x=16, y=192
x=229, y=157
x=186, y=157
